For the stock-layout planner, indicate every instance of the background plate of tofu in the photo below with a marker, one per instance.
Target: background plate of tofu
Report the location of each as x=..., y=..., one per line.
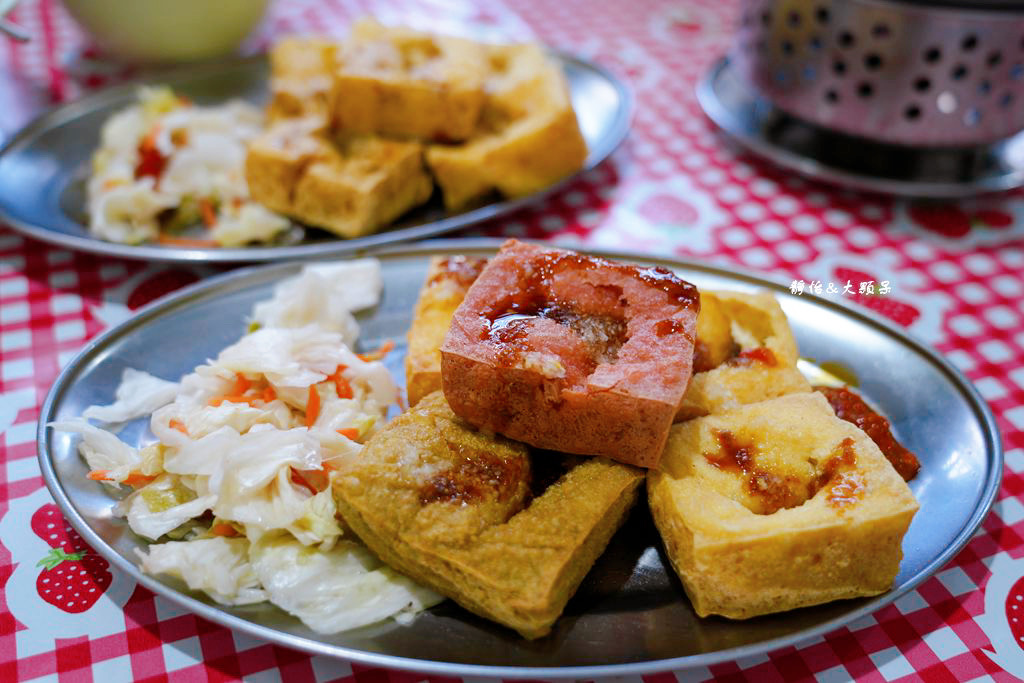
x=45, y=168
x=630, y=615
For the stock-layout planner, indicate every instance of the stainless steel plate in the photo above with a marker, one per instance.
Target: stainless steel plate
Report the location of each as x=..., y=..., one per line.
x=630, y=615
x=43, y=167
x=850, y=161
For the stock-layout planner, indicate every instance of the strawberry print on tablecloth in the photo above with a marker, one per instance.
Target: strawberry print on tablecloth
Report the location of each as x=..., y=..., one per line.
x=682, y=23
x=965, y=224
x=1003, y=620
x=875, y=293
x=648, y=215
x=900, y=299
x=157, y=285
x=792, y=229
x=634, y=63
x=73, y=576
x=142, y=288
x=43, y=599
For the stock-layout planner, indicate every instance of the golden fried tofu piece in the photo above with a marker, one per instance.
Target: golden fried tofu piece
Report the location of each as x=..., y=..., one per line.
x=399, y=82
x=448, y=278
x=714, y=343
x=277, y=159
x=451, y=508
x=369, y=183
x=778, y=505
x=529, y=137
x=350, y=186
x=300, y=77
x=745, y=353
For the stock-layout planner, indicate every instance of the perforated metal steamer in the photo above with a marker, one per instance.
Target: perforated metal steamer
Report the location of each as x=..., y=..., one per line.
x=830, y=81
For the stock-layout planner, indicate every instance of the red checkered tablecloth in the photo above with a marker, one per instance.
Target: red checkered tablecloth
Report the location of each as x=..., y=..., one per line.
x=954, y=275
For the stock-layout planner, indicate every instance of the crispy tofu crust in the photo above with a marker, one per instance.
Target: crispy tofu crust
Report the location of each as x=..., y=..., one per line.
x=369, y=183
x=745, y=353
x=778, y=505
x=497, y=118
x=351, y=186
x=528, y=138
x=398, y=82
x=300, y=78
x=278, y=158
x=449, y=506
x=448, y=279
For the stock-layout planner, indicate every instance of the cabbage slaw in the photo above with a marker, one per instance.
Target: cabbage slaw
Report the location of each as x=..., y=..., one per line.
x=165, y=165
x=235, y=491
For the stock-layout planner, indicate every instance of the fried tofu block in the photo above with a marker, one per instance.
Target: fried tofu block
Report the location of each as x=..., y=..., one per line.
x=714, y=343
x=302, y=56
x=452, y=508
x=300, y=78
x=745, y=353
x=351, y=186
x=448, y=280
x=277, y=159
x=572, y=353
x=399, y=82
x=529, y=137
x=778, y=505
x=369, y=183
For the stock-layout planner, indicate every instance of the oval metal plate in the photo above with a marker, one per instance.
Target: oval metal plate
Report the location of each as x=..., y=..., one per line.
x=816, y=152
x=43, y=168
x=630, y=615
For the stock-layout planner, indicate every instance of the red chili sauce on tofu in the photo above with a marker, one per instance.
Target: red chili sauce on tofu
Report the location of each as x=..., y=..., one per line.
x=760, y=354
x=667, y=327
x=845, y=485
x=603, y=334
x=776, y=492
x=852, y=408
x=737, y=358
x=477, y=475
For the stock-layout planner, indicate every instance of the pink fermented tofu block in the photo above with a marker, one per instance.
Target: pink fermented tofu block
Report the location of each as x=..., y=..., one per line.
x=572, y=353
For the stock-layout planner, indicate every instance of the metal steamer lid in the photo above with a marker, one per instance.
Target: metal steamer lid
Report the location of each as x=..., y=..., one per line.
x=986, y=5
x=907, y=73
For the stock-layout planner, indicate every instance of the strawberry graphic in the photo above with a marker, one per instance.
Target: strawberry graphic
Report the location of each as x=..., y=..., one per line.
x=74, y=576
x=666, y=208
x=992, y=218
x=157, y=285
x=897, y=311
x=943, y=219
x=1015, y=611
x=952, y=221
x=685, y=26
x=855, y=277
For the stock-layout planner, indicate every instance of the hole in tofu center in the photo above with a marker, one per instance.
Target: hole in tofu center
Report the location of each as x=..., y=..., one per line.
x=603, y=335
x=475, y=475
x=765, y=480
x=564, y=316
x=525, y=337
x=732, y=335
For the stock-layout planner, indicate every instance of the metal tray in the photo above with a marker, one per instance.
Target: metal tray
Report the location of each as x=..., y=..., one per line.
x=754, y=123
x=43, y=168
x=630, y=615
